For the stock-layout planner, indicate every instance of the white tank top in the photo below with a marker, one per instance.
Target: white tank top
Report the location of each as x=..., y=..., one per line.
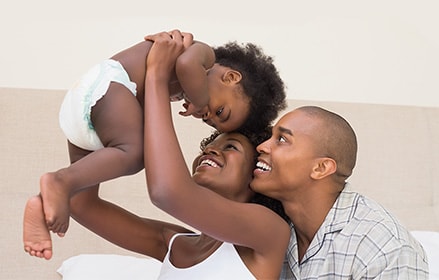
x=224, y=263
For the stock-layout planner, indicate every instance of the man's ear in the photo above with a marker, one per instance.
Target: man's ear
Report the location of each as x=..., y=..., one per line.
x=323, y=167
x=232, y=76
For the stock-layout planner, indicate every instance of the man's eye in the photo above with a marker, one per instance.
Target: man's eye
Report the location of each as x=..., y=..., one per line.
x=281, y=139
x=218, y=113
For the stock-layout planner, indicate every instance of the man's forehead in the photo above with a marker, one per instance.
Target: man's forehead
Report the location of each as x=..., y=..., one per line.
x=290, y=118
x=296, y=122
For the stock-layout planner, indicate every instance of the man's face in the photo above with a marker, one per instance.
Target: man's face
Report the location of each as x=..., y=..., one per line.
x=287, y=158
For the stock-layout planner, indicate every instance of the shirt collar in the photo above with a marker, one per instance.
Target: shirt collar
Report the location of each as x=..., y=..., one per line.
x=341, y=212
x=338, y=217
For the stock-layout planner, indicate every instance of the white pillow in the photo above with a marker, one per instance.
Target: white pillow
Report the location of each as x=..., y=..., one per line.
x=109, y=267
x=117, y=267
x=430, y=241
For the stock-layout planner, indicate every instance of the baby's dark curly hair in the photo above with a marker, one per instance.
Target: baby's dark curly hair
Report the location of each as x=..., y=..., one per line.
x=255, y=139
x=261, y=82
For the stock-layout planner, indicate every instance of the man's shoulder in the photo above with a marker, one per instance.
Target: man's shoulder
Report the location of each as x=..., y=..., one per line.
x=375, y=223
x=366, y=209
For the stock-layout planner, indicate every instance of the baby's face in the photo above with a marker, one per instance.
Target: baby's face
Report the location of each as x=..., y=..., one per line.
x=226, y=113
x=228, y=106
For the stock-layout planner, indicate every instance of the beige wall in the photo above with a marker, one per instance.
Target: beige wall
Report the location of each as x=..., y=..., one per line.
x=352, y=51
x=398, y=166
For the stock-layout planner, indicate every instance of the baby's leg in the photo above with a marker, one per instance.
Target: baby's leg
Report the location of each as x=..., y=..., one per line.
x=52, y=189
x=36, y=236
x=118, y=120
x=55, y=190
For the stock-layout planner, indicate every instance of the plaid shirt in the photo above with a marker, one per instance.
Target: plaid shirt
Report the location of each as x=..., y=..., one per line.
x=359, y=239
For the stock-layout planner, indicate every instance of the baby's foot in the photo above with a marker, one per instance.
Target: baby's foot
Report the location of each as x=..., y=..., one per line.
x=36, y=236
x=55, y=204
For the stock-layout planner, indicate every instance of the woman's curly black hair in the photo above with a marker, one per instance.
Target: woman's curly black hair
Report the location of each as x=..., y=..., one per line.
x=261, y=82
x=255, y=139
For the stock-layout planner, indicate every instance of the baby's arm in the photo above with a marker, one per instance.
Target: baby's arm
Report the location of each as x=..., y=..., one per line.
x=191, y=69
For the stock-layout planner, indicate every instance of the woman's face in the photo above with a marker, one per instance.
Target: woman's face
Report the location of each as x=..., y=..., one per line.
x=226, y=166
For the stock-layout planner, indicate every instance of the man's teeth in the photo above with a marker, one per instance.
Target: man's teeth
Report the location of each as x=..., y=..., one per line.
x=263, y=166
x=209, y=162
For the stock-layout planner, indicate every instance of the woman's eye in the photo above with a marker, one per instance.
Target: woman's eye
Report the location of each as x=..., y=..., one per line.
x=230, y=146
x=218, y=113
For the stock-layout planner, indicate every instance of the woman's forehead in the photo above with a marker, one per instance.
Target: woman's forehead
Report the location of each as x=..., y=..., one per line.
x=231, y=136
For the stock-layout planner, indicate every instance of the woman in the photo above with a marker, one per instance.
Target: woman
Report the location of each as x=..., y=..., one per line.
x=220, y=212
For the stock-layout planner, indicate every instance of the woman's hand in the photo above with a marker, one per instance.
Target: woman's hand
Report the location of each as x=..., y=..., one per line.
x=165, y=50
x=188, y=38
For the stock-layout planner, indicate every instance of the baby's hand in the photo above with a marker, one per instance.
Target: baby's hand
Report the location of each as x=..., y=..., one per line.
x=192, y=110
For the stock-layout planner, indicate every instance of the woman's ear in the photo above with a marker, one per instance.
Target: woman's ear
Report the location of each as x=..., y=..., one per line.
x=232, y=76
x=323, y=168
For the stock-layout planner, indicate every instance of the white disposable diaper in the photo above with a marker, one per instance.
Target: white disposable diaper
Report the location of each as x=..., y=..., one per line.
x=75, y=112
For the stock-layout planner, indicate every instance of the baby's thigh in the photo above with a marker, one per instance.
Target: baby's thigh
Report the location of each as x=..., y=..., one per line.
x=118, y=118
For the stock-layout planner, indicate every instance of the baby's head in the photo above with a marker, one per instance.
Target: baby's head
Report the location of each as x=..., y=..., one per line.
x=245, y=89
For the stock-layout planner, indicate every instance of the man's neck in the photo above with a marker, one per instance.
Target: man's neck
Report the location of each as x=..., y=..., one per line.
x=307, y=212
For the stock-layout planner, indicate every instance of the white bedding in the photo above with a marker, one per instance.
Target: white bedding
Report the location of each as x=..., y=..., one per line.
x=109, y=267
x=430, y=242
x=117, y=267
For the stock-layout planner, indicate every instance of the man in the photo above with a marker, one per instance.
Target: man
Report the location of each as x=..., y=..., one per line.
x=335, y=233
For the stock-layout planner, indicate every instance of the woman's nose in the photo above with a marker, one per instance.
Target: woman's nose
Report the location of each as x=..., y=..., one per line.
x=210, y=151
